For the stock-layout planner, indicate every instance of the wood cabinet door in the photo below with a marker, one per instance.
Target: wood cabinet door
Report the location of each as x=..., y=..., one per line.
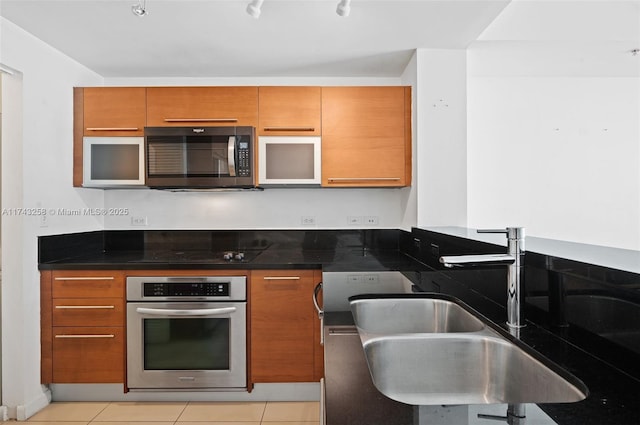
x=366, y=136
x=282, y=326
x=114, y=111
x=289, y=111
x=202, y=106
x=88, y=354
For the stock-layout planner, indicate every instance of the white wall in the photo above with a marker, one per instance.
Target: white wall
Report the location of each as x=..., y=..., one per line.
x=36, y=167
x=269, y=209
x=554, y=122
x=440, y=164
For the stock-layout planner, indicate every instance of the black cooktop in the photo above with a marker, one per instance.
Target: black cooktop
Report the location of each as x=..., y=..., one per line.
x=197, y=256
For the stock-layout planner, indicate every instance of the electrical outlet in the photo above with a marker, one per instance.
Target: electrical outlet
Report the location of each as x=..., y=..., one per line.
x=371, y=220
x=308, y=220
x=139, y=221
x=372, y=278
x=354, y=220
x=354, y=278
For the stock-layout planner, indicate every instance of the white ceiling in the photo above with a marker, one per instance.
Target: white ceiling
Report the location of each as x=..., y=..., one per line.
x=217, y=38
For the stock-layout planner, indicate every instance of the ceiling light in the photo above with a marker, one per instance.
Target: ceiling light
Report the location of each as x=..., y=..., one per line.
x=344, y=8
x=140, y=9
x=253, y=8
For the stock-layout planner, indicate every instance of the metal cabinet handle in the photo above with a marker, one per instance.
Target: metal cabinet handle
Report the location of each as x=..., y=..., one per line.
x=281, y=278
x=93, y=307
x=112, y=128
x=289, y=129
x=85, y=278
x=189, y=312
x=85, y=336
x=351, y=330
x=316, y=291
x=361, y=179
x=201, y=120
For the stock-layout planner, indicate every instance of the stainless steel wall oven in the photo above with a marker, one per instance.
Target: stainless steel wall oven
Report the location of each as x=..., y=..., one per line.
x=186, y=333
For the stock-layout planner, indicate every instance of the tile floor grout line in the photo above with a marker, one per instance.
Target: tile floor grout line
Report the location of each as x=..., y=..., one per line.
x=98, y=414
x=183, y=409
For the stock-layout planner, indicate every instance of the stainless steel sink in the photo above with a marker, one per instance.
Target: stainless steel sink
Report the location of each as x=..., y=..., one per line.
x=434, y=351
x=468, y=369
x=412, y=315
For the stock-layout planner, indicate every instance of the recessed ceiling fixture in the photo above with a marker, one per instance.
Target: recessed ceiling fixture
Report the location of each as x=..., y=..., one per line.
x=344, y=8
x=253, y=8
x=140, y=9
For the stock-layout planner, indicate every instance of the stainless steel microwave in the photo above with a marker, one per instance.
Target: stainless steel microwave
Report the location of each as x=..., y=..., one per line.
x=113, y=162
x=200, y=157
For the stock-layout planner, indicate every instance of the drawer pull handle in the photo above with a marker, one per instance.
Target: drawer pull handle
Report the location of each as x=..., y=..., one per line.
x=201, y=120
x=93, y=307
x=362, y=179
x=86, y=278
x=281, y=278
x=85, y=336
x=112, y=129
x=289, y=129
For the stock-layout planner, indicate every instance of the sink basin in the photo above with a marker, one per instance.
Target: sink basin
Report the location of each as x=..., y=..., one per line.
x=399, y=315
x=430, y=349
x=469, y=369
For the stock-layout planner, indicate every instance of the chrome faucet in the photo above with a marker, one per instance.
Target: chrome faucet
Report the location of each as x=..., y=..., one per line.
x=513, y=259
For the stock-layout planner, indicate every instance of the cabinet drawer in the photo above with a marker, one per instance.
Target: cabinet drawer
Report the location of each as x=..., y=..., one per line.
x=88, y=354
x=87, y=284
x=88, y=312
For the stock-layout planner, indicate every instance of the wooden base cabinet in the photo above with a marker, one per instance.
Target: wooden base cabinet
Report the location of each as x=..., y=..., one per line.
x=82, y=326
x=285, y=342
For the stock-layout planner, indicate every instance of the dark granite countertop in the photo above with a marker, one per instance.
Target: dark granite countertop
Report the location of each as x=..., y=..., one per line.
x=613, y=394
x=330, y=250
x=270, y=258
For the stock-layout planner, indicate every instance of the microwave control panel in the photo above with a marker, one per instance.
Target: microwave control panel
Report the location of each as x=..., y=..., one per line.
x=244, y=159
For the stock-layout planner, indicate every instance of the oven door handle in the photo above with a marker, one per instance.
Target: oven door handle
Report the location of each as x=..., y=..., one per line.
x=187, y=312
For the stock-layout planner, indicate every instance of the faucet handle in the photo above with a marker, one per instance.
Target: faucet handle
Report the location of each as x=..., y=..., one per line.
x=511, y=232
x=492, y=231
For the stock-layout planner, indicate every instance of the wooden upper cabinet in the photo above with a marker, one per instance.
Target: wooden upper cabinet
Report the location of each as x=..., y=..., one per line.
x=114, y=111
x=366, y=136
x=202, y=106
x=289, y=111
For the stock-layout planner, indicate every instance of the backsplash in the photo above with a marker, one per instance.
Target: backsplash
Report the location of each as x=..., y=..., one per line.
x=594, y=307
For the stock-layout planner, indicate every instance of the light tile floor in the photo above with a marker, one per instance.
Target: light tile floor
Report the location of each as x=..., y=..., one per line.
x=180, y=413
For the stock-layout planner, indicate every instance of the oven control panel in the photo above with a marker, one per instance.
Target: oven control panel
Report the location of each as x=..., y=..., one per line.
x=186, y=288
x=172, y=289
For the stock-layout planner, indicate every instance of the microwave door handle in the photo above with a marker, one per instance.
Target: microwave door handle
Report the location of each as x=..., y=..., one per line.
x=231, y=155
x=187, y=312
